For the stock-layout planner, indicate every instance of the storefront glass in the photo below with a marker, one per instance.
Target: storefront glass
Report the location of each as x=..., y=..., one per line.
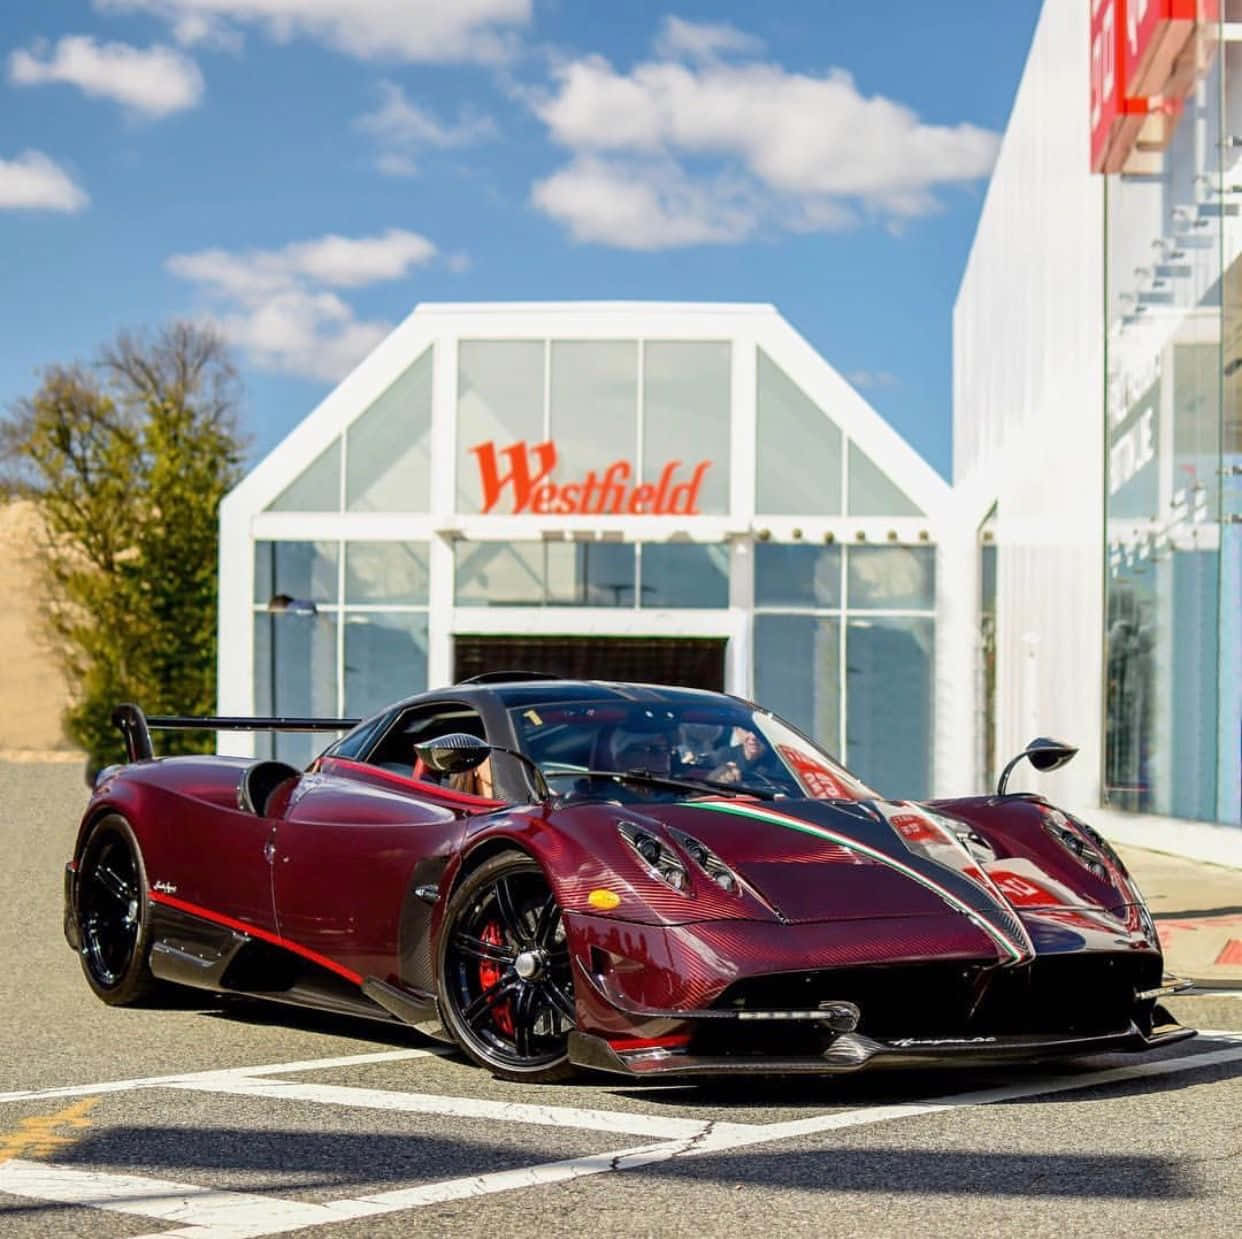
x=844, y=649
x=1174, y=244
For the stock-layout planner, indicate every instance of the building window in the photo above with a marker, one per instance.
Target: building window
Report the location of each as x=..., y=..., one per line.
x=340, y=629
x=317, y=488
x=844, y=649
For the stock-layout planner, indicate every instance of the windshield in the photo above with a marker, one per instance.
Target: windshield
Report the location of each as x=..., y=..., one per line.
x=724, y=743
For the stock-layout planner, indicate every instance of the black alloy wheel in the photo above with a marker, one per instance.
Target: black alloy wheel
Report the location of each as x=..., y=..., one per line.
x=113, y=914
x=506, y=988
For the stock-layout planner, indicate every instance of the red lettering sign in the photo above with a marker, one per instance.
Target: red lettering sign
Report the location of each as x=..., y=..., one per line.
x=1116, y=117
x=525, y=472
x=1157, y=33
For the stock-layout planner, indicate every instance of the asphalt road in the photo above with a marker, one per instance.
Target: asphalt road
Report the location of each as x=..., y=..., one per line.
x=396, y=1137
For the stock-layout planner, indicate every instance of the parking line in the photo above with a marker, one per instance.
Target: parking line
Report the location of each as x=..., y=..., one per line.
x=266, y=1069
x=259, y=1222
x=452, y=1107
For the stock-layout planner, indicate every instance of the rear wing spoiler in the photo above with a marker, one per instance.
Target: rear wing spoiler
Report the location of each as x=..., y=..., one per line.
x=136, y=727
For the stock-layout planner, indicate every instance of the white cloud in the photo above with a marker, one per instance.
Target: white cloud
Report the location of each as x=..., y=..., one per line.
x=278, y=305
x=156, y=81
x=642, y=205
x=401, y=128
x=681, y=39
x=33, y=182
x=412, y=30
x=872, y=378
x=815, y=151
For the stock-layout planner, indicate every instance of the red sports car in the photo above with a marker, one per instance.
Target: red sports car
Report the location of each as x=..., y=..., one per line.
x=557, y=874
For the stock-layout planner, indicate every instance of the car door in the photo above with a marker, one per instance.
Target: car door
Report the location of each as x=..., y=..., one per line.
x=358, y=836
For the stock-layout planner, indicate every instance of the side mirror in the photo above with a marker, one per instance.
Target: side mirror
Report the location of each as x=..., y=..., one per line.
x=454, y=753
x=1046, y=754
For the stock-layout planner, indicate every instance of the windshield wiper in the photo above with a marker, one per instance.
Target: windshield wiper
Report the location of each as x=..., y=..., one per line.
x=661, y=780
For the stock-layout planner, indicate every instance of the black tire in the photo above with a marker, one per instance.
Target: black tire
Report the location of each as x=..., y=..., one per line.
x=114, y=914
x=515, y=1025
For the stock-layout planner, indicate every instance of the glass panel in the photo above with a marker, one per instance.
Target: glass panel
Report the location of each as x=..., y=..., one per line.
x=590, y=574
x=594, y=408
x=386, y=573
x=684, y=574
x=798, y=673
x=317, y=489
x=388, y=462
x=498, y=574
x=799, y=455
x=888, y=687
x=385, y=659
x=686, y=402
x=797, y=576
x=874, y=493
x=1173, y=720
x=301, y=571
x=295, y=674
x=500, y=400
x=891, y=578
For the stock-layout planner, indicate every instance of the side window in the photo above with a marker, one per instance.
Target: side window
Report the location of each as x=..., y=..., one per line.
x=358, y=739
x=417, y=725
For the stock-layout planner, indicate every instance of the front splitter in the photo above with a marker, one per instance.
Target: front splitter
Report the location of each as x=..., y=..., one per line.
x=852, y=1052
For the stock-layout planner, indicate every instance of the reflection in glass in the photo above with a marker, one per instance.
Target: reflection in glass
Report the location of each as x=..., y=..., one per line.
x=873, y=492
x=888, y=684
x=594, y=406
x=295, y=675
x=388, y=461
x=797, y=576
x=385, y=659
x=798, y=673
x=686, y=401
x=590, y=574
x=499, y=574
x=317, y=488
x=798, y=471
x=890, y=578
x=500, y=400
x=386, y=573
x=305, y=571
x=685, y=574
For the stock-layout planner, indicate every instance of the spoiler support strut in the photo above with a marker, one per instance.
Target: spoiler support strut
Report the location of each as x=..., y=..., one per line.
x=136, y=728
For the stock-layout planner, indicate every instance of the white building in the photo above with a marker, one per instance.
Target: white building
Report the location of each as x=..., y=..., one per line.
x=684, y=493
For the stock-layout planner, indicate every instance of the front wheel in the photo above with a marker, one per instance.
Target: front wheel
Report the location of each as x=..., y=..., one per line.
x=114, y=917
x=505, y=986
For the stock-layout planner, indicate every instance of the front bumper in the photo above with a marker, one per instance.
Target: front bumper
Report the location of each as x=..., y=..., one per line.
x=850, y=1052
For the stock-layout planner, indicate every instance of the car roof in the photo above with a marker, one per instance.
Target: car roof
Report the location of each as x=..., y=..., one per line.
x=528, y=692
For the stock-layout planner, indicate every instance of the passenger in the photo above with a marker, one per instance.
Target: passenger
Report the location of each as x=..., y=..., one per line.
x=476, y=782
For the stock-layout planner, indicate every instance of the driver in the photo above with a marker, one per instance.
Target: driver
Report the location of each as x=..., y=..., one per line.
x=749, y=758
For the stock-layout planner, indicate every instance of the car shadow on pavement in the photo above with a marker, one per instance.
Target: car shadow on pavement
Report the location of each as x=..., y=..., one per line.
x=258, y=1161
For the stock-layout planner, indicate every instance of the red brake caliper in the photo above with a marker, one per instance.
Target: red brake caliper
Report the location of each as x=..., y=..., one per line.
x=489, y=974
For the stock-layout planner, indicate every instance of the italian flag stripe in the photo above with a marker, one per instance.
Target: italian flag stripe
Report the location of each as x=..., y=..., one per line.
x=1017, y=951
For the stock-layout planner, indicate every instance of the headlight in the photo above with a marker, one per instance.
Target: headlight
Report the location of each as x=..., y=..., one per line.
x=707, y=860
x=657, y=857
x=1076, y=842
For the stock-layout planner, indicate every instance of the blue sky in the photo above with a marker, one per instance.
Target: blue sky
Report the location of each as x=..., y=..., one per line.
x=304, y=172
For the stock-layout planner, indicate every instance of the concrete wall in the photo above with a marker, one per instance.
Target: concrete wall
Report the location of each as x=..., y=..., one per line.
x=32, y=690
x=1028, y=346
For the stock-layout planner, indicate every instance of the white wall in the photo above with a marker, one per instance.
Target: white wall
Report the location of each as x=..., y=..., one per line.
x=1028, y=412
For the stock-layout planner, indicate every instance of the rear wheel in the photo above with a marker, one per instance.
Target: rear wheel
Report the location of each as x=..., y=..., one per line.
x=114, y=914
x=505, y=985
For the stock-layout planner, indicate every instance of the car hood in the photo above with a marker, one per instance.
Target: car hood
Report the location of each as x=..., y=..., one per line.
x=814, y=860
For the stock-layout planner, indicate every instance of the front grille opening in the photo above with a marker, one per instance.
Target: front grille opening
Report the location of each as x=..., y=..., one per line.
x=1059, y=995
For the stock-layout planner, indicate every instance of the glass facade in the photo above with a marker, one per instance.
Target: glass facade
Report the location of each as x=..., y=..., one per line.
x=1173, y=656
x=844, y=649
x=553, y=438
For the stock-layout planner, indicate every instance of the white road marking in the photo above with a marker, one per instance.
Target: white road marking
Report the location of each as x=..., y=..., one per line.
x=266, y=1069
x=451, y=1107
x=245, y=1217
x=207, y=1210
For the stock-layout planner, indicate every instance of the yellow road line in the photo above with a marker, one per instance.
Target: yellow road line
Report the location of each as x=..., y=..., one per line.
x=37, y=1136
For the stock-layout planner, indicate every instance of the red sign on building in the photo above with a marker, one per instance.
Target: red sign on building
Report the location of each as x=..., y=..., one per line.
x=524, y=473
x=1116, y=118
x=1157, y=34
